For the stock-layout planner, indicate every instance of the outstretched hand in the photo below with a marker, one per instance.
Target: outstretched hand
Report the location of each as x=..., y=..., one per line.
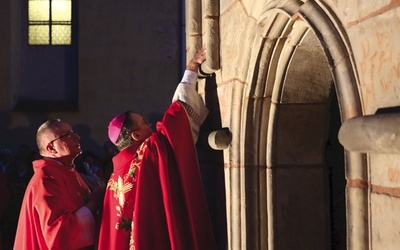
x=197, y=59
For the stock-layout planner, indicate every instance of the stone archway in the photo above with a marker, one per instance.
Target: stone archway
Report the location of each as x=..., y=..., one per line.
x=273, y=103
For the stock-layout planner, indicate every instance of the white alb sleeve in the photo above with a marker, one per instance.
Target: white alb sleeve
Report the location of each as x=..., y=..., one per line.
x=87, y=225
x=186, y=93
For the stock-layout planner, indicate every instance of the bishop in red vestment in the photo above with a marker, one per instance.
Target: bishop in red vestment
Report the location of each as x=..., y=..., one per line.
x=154, y=198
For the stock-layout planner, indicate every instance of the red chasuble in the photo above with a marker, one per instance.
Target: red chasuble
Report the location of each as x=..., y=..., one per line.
x=170, y=210
x=47, y=218
x=119, y=201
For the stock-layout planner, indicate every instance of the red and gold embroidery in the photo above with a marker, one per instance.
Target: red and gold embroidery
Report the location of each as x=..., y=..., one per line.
x=135, y=164
x=122, y=188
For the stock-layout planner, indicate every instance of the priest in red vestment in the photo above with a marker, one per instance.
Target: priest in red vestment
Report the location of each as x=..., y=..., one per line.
x=58, y=208
x=154, y=198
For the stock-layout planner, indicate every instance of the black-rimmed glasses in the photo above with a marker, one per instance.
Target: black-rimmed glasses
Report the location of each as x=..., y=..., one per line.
x=66, y=135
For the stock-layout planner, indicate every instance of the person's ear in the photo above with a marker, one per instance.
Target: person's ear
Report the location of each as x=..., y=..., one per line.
x=50, y=148
x=135, y=135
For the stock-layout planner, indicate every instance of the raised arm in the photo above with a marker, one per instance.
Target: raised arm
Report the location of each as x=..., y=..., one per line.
x=186, y=93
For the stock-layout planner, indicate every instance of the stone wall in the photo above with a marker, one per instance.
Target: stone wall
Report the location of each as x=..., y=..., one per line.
x=279, y=61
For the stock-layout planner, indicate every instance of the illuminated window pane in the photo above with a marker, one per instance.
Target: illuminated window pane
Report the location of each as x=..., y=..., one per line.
x=56, y=16
x=39, y=10
x=61, y=10
x=61, y=34
x=39, y=34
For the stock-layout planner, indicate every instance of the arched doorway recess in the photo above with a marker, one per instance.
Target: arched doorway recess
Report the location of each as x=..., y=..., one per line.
x=302, y=59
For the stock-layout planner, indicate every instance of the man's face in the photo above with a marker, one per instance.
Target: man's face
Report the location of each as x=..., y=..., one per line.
x=65, y=141
x=143, y=127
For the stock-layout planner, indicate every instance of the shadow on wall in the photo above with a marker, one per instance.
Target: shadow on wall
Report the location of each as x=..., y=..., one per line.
x=13, y=137
x=87, y=142
x=212, y=165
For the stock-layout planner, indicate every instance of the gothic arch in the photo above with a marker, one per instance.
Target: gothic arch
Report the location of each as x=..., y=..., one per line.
x=283, y=27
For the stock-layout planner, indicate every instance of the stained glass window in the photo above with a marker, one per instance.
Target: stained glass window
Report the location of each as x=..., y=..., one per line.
x=49, y=22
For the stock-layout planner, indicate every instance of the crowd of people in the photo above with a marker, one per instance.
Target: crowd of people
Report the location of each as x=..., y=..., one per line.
x=146, y=194
x=16, y=170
